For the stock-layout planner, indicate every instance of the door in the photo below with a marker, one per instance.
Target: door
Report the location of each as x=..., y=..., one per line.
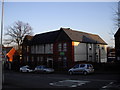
x=82, y=68
x=76, y=68
x=50, y=62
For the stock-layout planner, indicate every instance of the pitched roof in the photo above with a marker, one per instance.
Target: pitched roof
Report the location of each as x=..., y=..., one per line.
x=10, y=54
x=74, y=35
x=117, y=33
x=27, y=39
x=7, y=49
x=48, y=37
x=83, y=36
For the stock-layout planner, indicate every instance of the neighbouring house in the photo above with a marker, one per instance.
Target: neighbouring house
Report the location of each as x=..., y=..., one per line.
x=26, y=50
x=117, y=45
x=8, y=54
x=63, y=48
x=110, y=54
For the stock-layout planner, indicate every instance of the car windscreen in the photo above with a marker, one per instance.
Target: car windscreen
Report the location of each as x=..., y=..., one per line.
x=41, y=67
x=29, y=67
x=76, y=66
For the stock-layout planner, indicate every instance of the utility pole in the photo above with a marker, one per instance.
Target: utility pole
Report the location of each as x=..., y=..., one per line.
x=1, y=51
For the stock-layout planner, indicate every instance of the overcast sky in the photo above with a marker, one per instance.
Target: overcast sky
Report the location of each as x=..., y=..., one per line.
x=91, y=17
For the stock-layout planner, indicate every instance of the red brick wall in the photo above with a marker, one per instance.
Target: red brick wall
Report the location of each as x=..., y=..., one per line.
x=69, y=54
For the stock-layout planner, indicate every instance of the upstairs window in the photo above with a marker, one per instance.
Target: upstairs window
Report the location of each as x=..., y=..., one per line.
x=59, y=47
x=27, y=48
x=64, y=46
x=90, y=46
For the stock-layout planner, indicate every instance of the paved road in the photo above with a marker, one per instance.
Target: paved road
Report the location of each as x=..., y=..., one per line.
x=59, y=80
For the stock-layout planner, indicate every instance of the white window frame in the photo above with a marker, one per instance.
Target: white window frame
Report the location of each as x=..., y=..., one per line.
x=60, y=47
x=65, y=47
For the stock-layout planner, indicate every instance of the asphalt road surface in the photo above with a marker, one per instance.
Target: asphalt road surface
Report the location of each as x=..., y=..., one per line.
x=100, y=81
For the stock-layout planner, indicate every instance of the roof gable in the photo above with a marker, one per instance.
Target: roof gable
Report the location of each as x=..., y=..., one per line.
x=117, y=33
x=83, y=36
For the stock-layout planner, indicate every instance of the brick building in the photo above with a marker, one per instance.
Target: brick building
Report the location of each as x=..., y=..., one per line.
x=63, y=48
x=117, y=45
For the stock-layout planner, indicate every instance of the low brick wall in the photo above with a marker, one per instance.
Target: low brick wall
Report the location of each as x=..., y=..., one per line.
x=107, y=66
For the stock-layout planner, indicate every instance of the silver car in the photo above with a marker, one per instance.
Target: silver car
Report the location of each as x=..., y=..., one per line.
x=81, y=68
x=26, y=69
x=43, y=69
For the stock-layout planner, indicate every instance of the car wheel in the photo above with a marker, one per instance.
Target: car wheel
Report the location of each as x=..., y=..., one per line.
x=36, y=72
x=70, y=72
x=85, y=72
x=45, y=72
x=21, y=71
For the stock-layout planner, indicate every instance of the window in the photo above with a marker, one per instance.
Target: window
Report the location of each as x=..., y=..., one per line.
x=32, y=59
x=38, y=58
x=59, y=47
x=27, y=48
x=89, y=66
x=90, y=46
x=65, y=47
x=41, y=58
x=31, y=49
x=41, y=49
x=37, y=48
x=59, y=59
x=98, y=46
x=102, y=48
x=27, y=58
x=65, y=62
x=49, y=48
x=90, y=57
x=76, y=66
x=34, y=49
x=82, y=65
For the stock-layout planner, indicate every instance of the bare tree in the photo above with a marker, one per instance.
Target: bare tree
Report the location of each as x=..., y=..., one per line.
x=17, y=32
x=117, y=15
x=117, y=19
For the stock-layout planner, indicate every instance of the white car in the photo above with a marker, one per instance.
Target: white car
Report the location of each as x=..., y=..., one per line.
x=26, y=69
x=43, y=69
x=81, y=68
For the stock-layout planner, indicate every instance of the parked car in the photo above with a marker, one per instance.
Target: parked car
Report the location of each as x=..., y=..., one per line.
x=43, y=69
x=26, y=69
x=81, y=68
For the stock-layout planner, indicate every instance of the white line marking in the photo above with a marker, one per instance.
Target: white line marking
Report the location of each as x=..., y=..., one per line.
x=99, y=80
x=107, y=85
x=104, y=87
x=69, y=83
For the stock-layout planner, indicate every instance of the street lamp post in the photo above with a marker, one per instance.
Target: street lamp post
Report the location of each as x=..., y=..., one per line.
x=1, y=51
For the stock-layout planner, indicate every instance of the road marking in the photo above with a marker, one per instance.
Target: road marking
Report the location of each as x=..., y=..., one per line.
x=99, y=80
x=69, y=83
x=107, y=85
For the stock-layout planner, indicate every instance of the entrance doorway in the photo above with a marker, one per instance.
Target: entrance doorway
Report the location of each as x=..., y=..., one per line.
x=50, y=62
